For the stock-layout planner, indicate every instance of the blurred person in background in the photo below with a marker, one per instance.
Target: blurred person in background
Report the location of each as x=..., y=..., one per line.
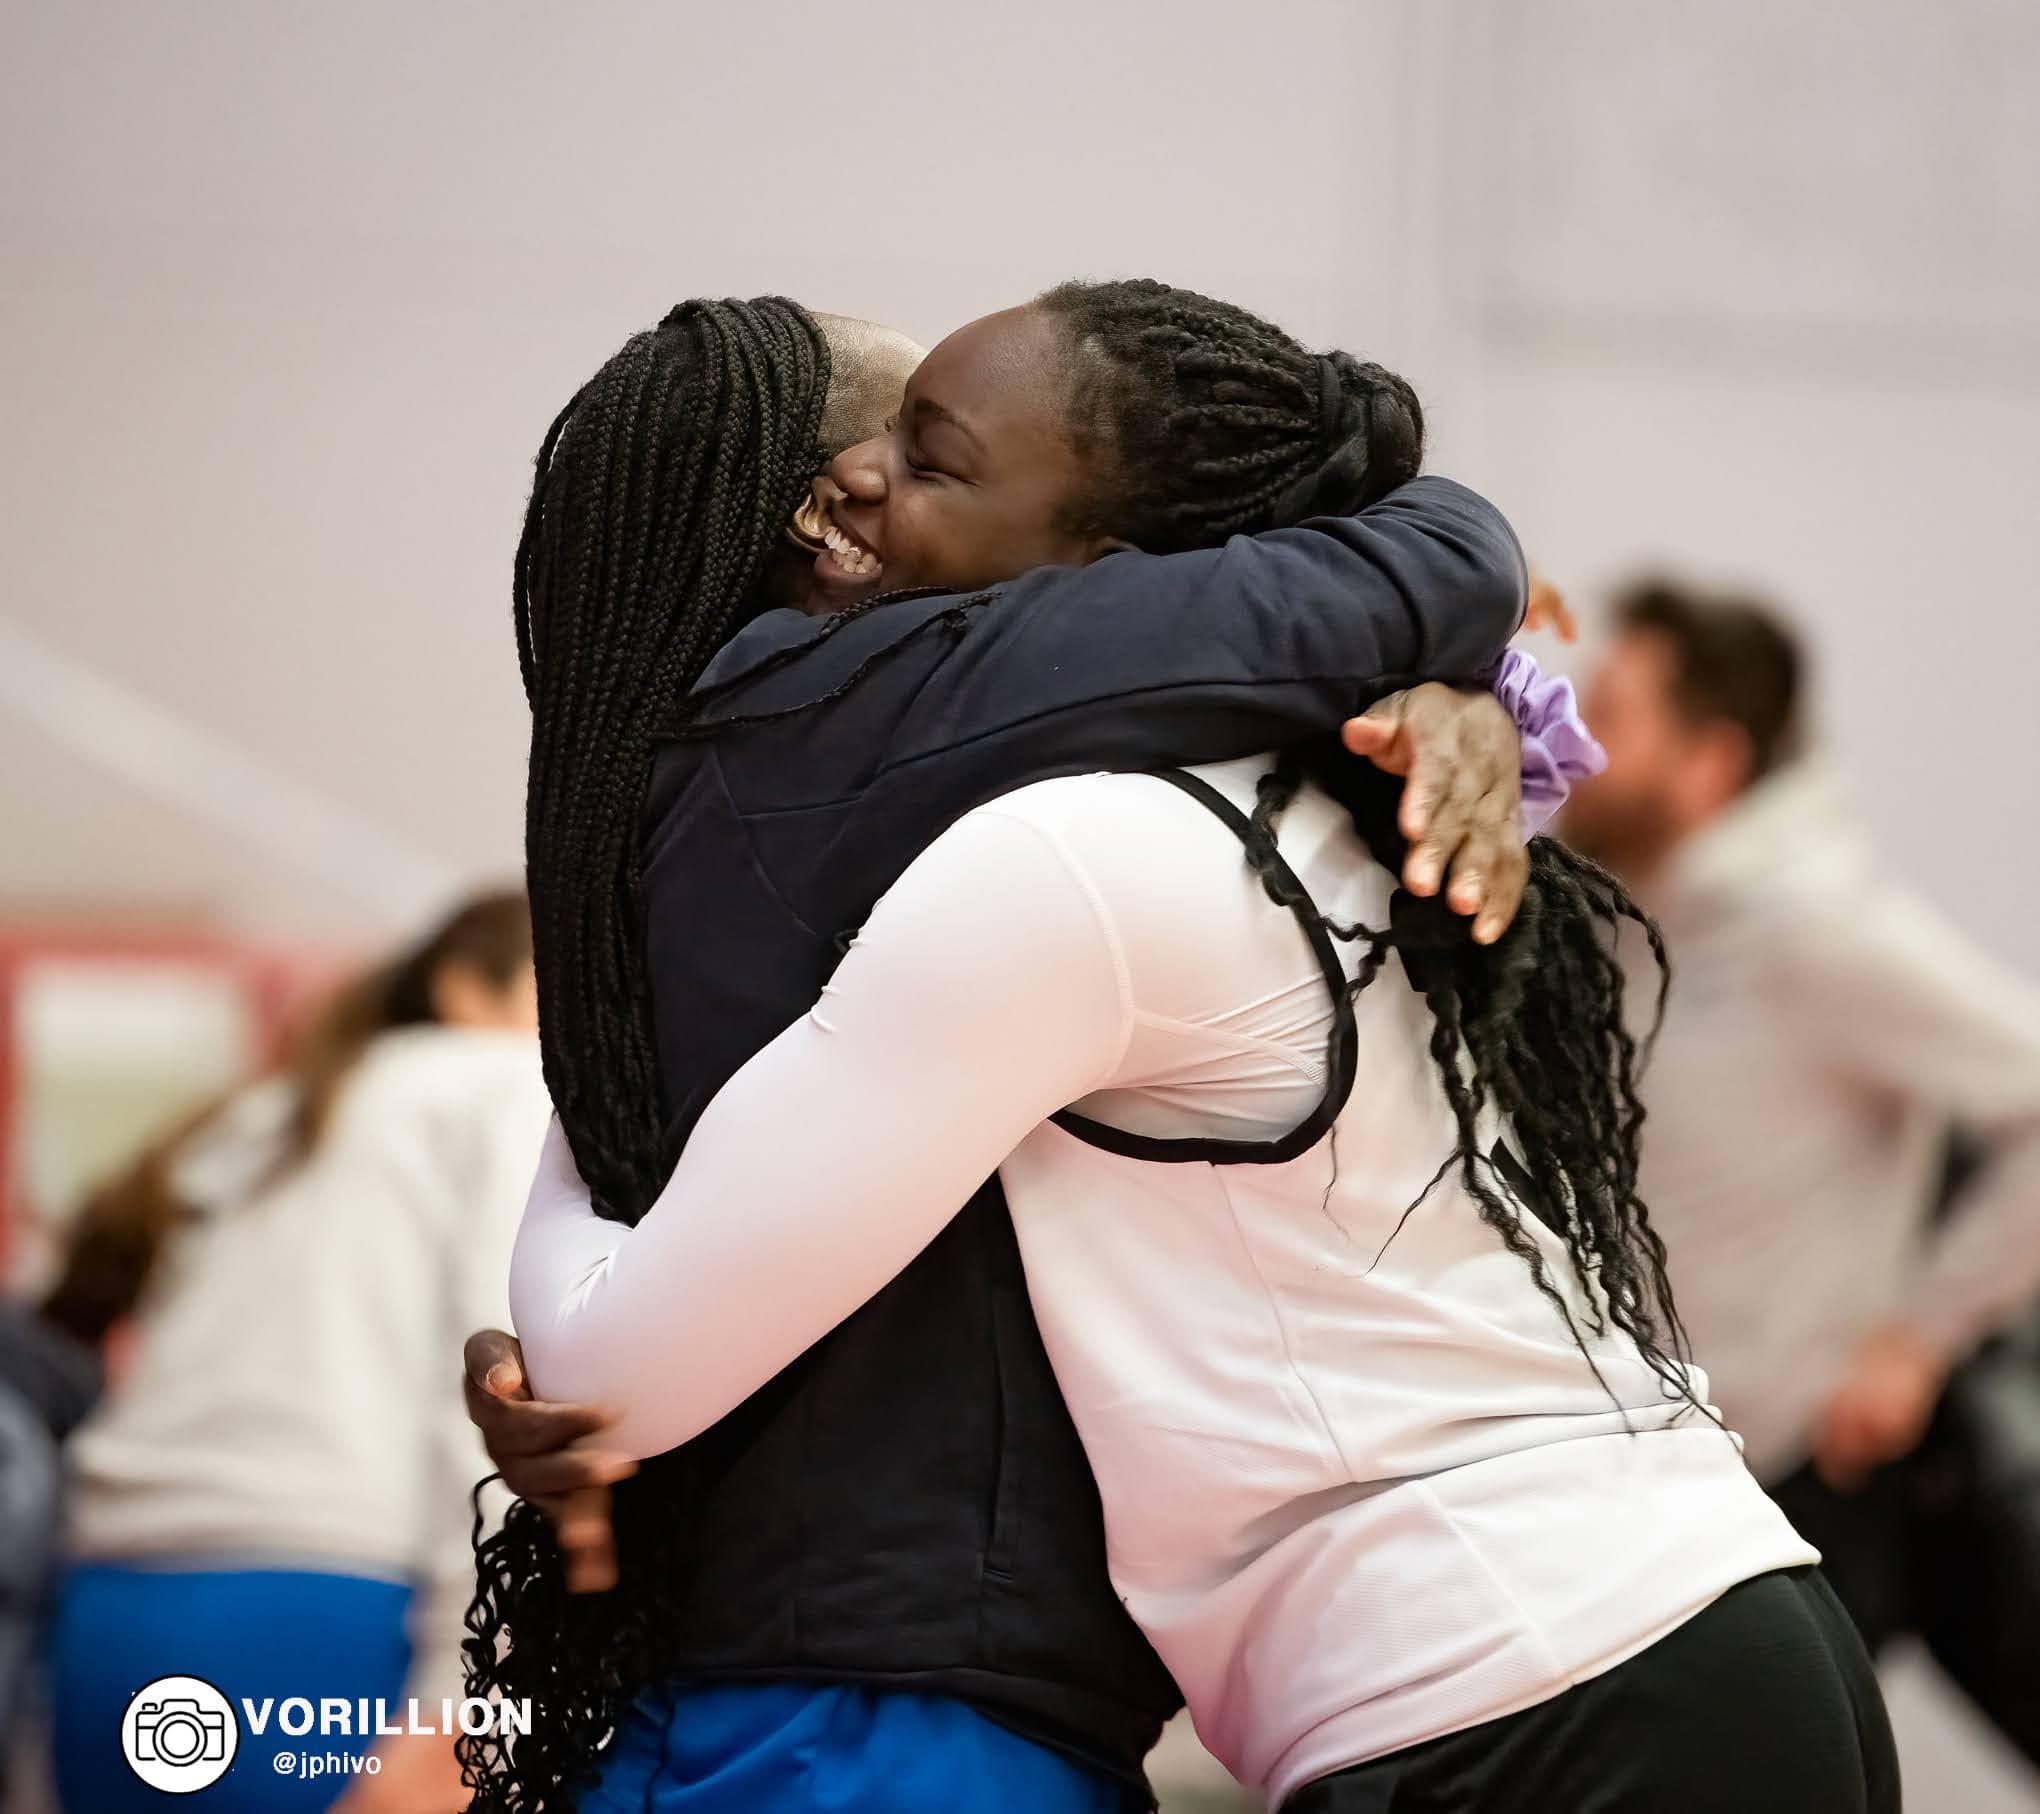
x=48, y=1381
x=275, y=1494
x=1826, y=1033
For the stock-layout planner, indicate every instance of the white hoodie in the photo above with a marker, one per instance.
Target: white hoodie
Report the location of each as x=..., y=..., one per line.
x=1825, y=1030
x=294, y=1398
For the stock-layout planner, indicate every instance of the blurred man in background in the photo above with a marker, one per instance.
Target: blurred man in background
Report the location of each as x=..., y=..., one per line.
x=1826, y=1035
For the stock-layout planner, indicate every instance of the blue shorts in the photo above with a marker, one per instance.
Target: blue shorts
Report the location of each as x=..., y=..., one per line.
x=817, y=1748
x=254, y=1633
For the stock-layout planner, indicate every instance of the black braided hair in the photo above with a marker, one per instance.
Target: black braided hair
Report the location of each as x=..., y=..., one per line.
x=660, y=490
x=1534, y=1028
x=1198, y=421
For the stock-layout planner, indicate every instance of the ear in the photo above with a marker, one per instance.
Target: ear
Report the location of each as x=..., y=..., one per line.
x=459, y=994
x=1722, y=765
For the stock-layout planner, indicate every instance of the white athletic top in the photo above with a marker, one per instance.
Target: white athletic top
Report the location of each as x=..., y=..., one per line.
x=1358, y=1491
x=294, y=1398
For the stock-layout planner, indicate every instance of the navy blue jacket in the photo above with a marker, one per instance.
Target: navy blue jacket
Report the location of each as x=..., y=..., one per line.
x=908, y=1504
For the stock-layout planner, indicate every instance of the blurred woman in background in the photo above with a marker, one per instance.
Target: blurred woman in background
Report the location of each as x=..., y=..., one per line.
x=278, y=1535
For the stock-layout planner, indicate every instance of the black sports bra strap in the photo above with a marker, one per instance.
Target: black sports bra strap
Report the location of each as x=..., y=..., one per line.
x=1341, y=1053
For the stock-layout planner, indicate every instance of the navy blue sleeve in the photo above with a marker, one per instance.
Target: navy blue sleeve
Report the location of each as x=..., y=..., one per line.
x=1297, y=628
x=1264, y=640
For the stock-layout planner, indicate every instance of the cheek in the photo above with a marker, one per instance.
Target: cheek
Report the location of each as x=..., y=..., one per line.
x=927, y=529
x=958, y=538
x=1025, y=530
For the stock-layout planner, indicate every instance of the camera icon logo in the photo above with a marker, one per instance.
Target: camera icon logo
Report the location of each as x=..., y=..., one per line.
x=179, y=1734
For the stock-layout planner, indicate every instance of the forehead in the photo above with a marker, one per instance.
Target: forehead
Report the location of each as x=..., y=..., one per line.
x=997, y=370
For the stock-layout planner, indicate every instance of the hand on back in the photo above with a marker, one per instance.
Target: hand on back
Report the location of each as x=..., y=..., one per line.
x=549, y=1453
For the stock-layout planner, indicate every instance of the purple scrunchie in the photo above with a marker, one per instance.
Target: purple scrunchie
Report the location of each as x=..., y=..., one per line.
x=1558, y=749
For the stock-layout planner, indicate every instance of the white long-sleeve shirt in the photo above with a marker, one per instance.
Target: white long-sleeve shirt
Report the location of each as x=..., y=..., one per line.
x=294, y=1397
x=1825, y=1030
x=1357, y=1491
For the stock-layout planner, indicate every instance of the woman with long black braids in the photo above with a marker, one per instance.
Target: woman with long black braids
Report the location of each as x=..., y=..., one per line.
x=1404, y=1471
x=910, y=1602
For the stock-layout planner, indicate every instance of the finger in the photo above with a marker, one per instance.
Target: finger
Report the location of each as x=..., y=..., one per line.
x=513, y=1427
x=1450, y=821
x=1490, y=847
x=1441, y=775
x=1425, y=793
x=1424, y=870
x=1507, y=878
x=592, y=1570
x=541, y=1478
x=584, y=1518
x=1368, y=735
x=1467, y=876
x=494, y=1360
x=1546, y=608
x=588, y=1540
x=1380, y=736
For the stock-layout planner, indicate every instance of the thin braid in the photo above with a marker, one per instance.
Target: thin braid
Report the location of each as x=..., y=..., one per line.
x=1532, y=1028
x=1202, y=421
x=658, y=491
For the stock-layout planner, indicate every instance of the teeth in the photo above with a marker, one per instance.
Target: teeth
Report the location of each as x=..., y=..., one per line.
x=860, y=561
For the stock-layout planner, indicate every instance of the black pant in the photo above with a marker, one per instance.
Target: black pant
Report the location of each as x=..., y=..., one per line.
x=1764, y=1703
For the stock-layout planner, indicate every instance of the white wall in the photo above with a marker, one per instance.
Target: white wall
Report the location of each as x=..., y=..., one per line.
x=287, y=295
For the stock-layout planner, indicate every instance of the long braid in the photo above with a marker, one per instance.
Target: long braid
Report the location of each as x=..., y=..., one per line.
x=659, y=490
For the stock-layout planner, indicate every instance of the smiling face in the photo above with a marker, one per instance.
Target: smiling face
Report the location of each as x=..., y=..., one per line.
x=975, y=479
x=869, y=365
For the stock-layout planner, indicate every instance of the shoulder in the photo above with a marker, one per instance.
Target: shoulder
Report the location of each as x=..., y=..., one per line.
x=1106, y=823
x=1041, y=871
x=1144, y=856
x=1151, y=812
x=421, y=1074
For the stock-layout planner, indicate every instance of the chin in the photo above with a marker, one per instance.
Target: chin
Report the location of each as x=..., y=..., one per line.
x=829, y=591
